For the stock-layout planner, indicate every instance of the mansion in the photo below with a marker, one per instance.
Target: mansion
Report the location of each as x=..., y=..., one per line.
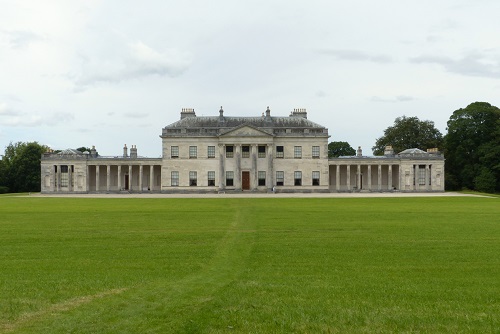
x=211, y=154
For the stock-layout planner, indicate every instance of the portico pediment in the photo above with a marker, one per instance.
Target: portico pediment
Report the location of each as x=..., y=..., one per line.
x=245, y=131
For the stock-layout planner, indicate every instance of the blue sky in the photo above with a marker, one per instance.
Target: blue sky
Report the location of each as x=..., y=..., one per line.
x=108, y=73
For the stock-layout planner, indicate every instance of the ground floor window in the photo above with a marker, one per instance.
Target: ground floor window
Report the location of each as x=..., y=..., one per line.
x=421, y=175
x=65, y=176
x=262, y=178
x=211, y=178
x=297, y=176
x=280, y=178
x=229, y=178
x=315, y=177
x=193, y=179
x=174, y=179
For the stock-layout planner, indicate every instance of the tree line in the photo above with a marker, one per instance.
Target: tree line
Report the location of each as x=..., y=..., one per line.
x=471, y=148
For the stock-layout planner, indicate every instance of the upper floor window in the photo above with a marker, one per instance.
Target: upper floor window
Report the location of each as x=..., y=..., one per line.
x=174, y=152
x=211, y=152
x=315, y=152
x=297, y=152
x=245, y=151
x=193, y=152
x=229, y=151
x=262, y=151
x=280, y=152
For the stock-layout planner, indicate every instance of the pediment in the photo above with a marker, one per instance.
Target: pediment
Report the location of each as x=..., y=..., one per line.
x=245, y=131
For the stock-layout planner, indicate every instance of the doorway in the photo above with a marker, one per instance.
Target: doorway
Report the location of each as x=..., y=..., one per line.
x=245, y=180
x=126, y=182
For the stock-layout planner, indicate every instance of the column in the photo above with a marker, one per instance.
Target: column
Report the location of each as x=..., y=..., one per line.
x=97, y=177
x=141, y=172
x=108, y=178
x=337, y=178
x=358, y=177
x=222, y=171
x=87, y=179
x=130, y=178
x=52, y=178
x=379, y=181
x=237, y=160
x=370, y=177
x=58, y=177
x=348, y=177
x=390, y=178
x=253, y=173
x=119, y=177
x=270, y=174
x=151, y=177
x=413, y=184
x=70, y=178
x=427, y=177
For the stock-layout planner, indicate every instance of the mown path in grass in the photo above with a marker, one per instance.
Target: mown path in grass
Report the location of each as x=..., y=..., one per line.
x=249, y=265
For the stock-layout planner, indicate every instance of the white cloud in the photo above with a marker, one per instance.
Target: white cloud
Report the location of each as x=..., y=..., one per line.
x=17, y=118
x=356, y=55
x=399, y=98
x=21, y=38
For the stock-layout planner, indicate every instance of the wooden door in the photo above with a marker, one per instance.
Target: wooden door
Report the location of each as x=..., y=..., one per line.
x=245, y=180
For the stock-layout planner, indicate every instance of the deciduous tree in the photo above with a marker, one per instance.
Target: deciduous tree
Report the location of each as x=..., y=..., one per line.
x=339, y=148
x=409, y=132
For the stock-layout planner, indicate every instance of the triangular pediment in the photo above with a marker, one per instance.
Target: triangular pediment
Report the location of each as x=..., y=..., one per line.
x=245, y=130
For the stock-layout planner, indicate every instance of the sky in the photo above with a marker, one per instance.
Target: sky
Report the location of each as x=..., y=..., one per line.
x=108, y=73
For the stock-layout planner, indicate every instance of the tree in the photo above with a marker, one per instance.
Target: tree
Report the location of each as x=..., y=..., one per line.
x=21, y=166
x=409, y=132
x=472, y=148
x=340, y=148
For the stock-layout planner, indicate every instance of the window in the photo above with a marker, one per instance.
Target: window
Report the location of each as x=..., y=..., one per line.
x=262, y=151
x=262, y=178
x=229, y=178
x=211, y=151
x=297, y=176
x=174, y=152
x=193, y=152
x=245, y=151
x=193, y=179
x=65, y=176
x=211, y=178
x=315, y=152
x=174, y=179
x=280, y=178
x=297, y=152
x=280, y=152
x=315, y=178
x=421, y=175
x=229, y=151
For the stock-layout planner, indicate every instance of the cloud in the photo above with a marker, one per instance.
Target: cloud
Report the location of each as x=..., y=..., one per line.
x=135, y=115
x=399, y=98
x=12, y=117
x=472, y=64
x=136, y=60
x=20, y=38
x=355, y=55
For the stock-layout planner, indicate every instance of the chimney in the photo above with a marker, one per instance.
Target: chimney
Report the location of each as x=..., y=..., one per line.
x=133, y=152
x=268, y=114
x=187, y=112
x=359, y=152
x=389, y=151
x=125, y=151
x=299, y=112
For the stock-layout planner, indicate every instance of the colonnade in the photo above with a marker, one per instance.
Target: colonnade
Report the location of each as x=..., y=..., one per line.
x=132, y=178
x=369, y=177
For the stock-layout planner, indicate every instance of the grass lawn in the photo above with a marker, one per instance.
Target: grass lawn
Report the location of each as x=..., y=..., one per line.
x=256, y=265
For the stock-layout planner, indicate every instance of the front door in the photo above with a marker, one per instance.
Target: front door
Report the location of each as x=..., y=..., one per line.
x=126, y=182
x=245, y=180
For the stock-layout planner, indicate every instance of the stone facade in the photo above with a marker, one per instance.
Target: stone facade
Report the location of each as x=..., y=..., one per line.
x=235, y=154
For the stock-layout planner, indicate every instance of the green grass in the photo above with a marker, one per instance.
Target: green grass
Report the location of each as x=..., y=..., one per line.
x=273, y=265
